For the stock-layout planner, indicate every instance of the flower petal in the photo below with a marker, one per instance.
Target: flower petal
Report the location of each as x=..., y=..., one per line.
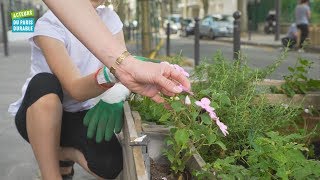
x=205, y=101
x=222, y=127
x=187, y=101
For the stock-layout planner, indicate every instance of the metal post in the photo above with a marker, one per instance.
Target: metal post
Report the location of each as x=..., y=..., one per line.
x=236, y=35
x=168, y=39
x=196, y=42
x=250, y=28
x=4, y=31
x=277, y=34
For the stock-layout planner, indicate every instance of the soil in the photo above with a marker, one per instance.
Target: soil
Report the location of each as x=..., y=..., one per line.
x=162, y=172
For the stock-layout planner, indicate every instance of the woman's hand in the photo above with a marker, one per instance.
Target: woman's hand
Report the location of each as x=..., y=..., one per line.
x=150, y=79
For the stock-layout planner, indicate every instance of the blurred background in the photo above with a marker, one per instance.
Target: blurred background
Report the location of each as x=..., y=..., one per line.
x=259, y=29
x=145, y=20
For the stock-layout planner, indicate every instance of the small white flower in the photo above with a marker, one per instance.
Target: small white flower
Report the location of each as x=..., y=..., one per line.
x=187, y=101
x=176, y=98
x=306, y=111
x=286, y=106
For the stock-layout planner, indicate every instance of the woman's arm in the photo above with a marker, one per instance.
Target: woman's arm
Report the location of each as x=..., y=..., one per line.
x=82, y=20
x=60, y=63
x=145, y=78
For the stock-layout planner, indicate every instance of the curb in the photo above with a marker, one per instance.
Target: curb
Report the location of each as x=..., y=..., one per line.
x=311, y=49
x=156, y=50
x=251, y=43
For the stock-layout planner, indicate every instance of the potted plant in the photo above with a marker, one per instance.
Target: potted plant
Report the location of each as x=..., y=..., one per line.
x=232, y=91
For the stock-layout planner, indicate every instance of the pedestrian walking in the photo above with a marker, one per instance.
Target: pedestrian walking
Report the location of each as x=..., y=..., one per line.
x=56, y=113
x=303, y=15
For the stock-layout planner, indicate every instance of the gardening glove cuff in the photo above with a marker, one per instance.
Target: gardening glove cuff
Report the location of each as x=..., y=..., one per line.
x=116, y=94
x=105, y=76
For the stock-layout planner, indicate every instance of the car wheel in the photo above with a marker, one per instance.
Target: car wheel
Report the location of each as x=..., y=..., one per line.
x=183, y=33
x=211, y=34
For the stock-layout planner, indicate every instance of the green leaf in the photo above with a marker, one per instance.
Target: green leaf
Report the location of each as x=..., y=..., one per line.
x=225, y=100
x=205, y=118
x=214, y=105
x=181, y=137
x=290, y=69
x=194, y=115
x=170, y=155
x=177, y=106
x=223, y=147
x=165, y=117
x=211, y=138
x=301, y=69
x=169, y=142
x=205, y=92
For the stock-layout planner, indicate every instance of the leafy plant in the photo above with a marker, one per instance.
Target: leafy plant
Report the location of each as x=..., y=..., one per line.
x=232, y=88
x=192, y=127
x=297, y=82
x=271, y=156
x=232, y=85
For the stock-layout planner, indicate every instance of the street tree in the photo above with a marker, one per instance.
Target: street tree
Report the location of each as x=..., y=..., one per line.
x=205, y=5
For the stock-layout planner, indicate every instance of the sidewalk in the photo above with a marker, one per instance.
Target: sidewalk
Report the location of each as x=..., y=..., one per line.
x=16, y=158
x=266, y=40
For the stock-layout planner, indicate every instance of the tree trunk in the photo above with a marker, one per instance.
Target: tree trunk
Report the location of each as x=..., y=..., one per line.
x=205, y=6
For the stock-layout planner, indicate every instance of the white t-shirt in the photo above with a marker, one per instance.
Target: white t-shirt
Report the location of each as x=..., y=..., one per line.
x=49, y=25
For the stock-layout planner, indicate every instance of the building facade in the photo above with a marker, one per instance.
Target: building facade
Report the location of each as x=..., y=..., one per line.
x=196, y=8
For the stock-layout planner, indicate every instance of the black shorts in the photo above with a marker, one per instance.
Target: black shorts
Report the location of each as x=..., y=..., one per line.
x=104, y=159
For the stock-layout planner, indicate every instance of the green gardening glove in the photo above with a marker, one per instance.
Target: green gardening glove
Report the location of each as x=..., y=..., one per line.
x=141, y=58
x=106, y=117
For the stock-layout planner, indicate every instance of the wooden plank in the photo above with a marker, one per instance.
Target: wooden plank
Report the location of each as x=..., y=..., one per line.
x=271, y=82
x=136, y=169
x=137, y=121
x=128, y=160
x=297, y=100
x=155, y=129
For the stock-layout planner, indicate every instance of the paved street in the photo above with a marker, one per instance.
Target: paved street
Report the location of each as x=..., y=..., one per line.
x=16, y=158
x=257, y=56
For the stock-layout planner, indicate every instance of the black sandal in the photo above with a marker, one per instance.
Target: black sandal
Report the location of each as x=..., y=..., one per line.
x=67, y=164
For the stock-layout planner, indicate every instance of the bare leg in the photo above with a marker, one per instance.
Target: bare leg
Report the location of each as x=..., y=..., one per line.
x=44, y=126
x=75, y=155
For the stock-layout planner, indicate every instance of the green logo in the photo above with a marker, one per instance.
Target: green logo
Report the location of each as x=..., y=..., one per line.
x=23, y=21
x=22, y=14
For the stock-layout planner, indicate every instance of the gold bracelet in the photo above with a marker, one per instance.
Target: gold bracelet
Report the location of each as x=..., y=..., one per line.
x=119, y=60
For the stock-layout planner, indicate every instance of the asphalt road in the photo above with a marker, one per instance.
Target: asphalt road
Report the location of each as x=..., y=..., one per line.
x=256, y=56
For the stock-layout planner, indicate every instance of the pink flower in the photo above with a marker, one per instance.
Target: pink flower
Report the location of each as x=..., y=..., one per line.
x=222, y=127
x=205, y=104
x=187, y=101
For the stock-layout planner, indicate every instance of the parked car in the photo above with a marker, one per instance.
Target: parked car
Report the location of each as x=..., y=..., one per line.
x=213, y=26
x=175, y=23
x=173, y=26
x=187, y=27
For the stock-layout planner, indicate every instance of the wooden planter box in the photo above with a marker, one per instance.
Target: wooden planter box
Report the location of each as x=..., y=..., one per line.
x=134, y=167
x=135, y=162
x=306, y=100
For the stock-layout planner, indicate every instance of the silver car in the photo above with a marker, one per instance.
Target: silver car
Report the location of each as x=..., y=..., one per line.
x=216, y=26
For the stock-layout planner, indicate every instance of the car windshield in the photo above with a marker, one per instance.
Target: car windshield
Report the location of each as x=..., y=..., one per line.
x=227, y=18
x=186, y=21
